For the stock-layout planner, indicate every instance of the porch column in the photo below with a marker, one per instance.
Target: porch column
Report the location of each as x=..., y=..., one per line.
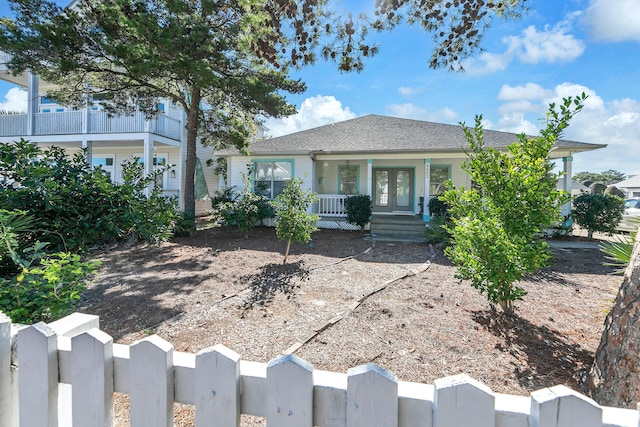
x=568, y=180
x=426, y=216
x=89, y=147
x=148, y=161
x=370, y=180
x=32, y=102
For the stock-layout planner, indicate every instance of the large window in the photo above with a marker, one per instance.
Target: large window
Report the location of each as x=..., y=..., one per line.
x=349, y=180
x=439, y=175
x=271, y=177
x=106, y=164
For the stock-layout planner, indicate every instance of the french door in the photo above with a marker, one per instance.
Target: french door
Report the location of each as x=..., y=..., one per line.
x=393, y=189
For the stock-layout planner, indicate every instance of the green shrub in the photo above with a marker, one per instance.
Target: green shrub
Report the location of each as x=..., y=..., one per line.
x=598, y=212
x=75, y=206
x=39, y=287
x=244, y=210
x=436, y=230
x=359, y=210
x=438, y=207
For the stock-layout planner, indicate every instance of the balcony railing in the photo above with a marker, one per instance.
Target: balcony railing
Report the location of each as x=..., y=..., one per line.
x=71, y=123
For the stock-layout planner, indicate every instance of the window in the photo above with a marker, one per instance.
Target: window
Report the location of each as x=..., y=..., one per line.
x=106, y=164
x=270, y=177
x=159, y=163
x=439, y=175
x=348, y=180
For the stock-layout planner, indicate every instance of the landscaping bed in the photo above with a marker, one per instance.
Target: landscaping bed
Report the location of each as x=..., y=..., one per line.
x=393, y=304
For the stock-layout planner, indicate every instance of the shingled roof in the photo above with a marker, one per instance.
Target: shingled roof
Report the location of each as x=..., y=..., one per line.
x=382, y=134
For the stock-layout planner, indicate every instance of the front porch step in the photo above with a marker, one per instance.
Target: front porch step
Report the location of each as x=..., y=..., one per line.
x=397, y=228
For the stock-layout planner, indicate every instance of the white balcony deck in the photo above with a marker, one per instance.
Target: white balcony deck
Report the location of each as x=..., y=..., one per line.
x=99, y=122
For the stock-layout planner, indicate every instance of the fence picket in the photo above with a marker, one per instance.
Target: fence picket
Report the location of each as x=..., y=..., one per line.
x=372, y=397
x=290, y=392
x=560, y=406
x=38, y=376
x=151, y=383
x=7, y=403
x=462, y=401
x=217, y=387
x=92, y=379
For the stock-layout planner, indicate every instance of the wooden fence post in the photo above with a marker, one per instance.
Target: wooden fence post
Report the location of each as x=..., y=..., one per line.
x=290, y=392
x=461, y=401
x=38, y=376
x=7, y=404
x=560, y=406
x=92, y=379
x=151, y=383
x=217, y=387
x=372, y=397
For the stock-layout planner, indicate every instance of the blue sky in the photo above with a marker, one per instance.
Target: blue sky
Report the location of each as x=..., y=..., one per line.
x=559, y=48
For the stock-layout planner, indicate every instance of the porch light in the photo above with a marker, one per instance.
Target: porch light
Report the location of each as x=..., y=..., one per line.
x=173, y=173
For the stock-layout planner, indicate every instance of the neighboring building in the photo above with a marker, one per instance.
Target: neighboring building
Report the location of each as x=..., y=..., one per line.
x=398, y=162
x=630, y=186
x=109, y=139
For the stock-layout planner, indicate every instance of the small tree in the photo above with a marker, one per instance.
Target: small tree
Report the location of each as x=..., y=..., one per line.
x=497, y=223
x=293, y=222
x=358, y=209
x=598, y=212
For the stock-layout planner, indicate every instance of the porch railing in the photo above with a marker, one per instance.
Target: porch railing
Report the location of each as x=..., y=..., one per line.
x=331, y=205
x=71, y=123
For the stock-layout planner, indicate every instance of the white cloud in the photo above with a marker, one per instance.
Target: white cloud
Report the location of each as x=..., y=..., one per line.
x=551, y=45
x=529, y=91
x=14, y=100
x=412, y=111
x=516, y=123
x=548, y=46
x=615, y=123
x=613, y=20
x=407, y=91
x=315, y=111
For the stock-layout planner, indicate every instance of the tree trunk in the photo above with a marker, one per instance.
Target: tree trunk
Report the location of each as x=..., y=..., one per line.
x=286, y=254
x=614, y=379
x=190, y=160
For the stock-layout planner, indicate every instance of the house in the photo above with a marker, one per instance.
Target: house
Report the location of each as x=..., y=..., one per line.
x=110, y=139
x=400, y=163
x=630, y=186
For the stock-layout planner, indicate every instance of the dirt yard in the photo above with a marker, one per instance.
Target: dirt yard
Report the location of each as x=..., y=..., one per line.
x=414, y=318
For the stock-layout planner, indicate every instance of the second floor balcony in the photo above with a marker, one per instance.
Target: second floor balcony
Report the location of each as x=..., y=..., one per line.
x=91, y=122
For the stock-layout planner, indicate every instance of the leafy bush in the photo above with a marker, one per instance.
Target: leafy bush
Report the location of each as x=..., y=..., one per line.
x=40, y=287
x=293, y=222
x=359, y=210
x=598, y=212
x=438, y=207
x=436, y=230
x=75, y=206
x=244, y=210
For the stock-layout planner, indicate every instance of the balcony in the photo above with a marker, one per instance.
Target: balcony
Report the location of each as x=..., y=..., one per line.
x=99, y=122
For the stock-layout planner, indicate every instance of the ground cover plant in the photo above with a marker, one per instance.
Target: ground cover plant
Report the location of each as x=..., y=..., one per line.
x=204, y=290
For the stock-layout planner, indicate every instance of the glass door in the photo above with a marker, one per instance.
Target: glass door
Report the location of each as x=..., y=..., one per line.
x=392, y=190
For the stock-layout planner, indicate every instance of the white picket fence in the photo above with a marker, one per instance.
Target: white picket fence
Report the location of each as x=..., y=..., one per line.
x=65, y=373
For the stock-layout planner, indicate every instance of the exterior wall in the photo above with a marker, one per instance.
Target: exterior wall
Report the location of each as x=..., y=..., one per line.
x=326, y=168
x=303, y=167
